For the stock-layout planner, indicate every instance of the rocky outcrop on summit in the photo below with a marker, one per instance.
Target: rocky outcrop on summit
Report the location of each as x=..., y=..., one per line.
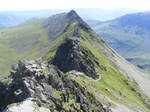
x=72, y=56
x=44, y=86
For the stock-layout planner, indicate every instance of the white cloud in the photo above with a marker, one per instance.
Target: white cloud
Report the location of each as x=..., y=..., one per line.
x=55, y=4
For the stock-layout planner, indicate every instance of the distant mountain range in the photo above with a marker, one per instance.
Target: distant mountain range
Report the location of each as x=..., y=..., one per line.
x=11, y=18
x=7, y=20
x=129, y=35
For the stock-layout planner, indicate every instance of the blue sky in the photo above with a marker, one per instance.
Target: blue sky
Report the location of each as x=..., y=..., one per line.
x=61, y=4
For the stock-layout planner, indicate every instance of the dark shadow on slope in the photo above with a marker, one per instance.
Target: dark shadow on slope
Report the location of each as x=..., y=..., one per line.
x=72, y=56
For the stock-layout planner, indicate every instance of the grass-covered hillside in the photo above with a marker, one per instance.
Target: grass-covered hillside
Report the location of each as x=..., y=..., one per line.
x=29, y=40
x=118, y=83
x=21, y=42
x=67, y=42
x=129, y=35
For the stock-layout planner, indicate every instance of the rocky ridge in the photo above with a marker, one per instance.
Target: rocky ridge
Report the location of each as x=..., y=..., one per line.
x=72, y=56
x=46, y=87
x=80, y=74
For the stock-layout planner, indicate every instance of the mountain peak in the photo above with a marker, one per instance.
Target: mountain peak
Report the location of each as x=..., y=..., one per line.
x=72, y=12
x=58, y=24
x=73, y=16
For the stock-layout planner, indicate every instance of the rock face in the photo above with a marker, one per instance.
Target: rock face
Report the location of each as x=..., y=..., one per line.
x=35, y=84
x=72, y=56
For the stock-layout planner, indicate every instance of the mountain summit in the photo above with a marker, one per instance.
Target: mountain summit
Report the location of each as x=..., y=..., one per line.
x=78, y=73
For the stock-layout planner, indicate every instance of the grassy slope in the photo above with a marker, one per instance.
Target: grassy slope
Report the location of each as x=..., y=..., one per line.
x=21, y=42
x=112, y=83
x=30, y=40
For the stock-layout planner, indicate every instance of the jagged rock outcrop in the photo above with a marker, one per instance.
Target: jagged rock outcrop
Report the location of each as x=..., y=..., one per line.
x=44, y=86
x=72, y=56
